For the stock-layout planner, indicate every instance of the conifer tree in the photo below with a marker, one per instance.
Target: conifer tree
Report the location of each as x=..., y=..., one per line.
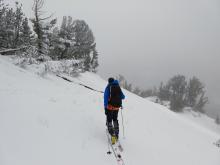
x=177, y=91
x=202, y=101
x=194, y=89
x=41, y=28
x=26, y=33
x=3, y=36
x=9, y=28
x=84, y=39
x=164, y=92
x=14, y=29
x=64, y=47
x=94, y=61
x=18, y=21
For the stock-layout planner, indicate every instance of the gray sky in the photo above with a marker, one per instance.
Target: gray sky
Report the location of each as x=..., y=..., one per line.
x=149, y=41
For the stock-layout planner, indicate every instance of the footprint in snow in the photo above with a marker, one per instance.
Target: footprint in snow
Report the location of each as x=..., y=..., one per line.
x=43, y=122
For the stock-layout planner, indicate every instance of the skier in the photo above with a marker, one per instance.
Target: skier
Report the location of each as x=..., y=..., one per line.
x=113, y=96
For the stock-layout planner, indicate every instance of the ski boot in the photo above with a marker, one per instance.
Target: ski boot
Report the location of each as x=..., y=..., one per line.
x=114, y=139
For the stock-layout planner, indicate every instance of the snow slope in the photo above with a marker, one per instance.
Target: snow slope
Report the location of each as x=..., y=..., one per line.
x=49, y=121
x=201, y=119
x=195, y=117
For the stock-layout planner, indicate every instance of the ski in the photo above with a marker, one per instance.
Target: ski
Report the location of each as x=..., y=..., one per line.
x=117, y=154
x=120, y=146
x=116, y=150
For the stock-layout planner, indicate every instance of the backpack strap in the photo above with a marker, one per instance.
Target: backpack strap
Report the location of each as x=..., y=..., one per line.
x=110, y=92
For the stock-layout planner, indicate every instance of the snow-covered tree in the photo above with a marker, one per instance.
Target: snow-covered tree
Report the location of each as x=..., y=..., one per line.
x=64, y=40
x=26, y=33
x=37, y=25
x=91, y=60
x=75, y=40
x=195, y=95
x=177, y=86
x=164, y=92
x=194, y=89
x=3, y=36
x=94, y=60
x=13, y=27
x=84, y=39
x=146, y=93
x=48, y=36
x=202, y=101
x=9, y=28
x=41, y=27
x=18, y=21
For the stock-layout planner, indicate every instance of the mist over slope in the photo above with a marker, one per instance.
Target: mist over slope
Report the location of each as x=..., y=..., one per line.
x=49, y=121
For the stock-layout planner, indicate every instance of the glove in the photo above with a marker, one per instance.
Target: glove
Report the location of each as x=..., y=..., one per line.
x=106, y=111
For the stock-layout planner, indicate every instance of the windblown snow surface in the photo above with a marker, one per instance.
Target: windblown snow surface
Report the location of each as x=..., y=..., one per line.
x=49, y=121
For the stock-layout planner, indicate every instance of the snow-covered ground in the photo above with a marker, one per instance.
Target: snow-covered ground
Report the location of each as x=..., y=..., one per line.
x=201, y=120
x=198, y=118
x=49, y=121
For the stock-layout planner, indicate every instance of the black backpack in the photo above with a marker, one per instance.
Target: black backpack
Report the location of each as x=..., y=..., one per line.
x=115, y=96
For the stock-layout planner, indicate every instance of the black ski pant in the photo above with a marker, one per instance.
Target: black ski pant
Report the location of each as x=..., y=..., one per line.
x=112, y=116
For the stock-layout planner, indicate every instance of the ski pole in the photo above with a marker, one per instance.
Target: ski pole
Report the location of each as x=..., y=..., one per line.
x=122, y=120
x=109, y=152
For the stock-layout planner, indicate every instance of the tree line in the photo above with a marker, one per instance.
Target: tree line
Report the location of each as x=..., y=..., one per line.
x=45, y=40
x=178, y=91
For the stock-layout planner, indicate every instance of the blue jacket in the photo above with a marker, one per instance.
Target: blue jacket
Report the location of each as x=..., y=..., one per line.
x=107, y=93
